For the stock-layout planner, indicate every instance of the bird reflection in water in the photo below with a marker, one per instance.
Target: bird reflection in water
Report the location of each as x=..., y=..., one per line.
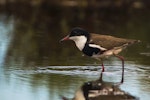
x=101, y=90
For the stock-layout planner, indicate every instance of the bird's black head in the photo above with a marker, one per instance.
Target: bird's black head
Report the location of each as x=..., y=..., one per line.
x=79, y=32
x=76, y=35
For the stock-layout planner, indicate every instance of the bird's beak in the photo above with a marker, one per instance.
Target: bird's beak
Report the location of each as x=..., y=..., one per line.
x=65, y=38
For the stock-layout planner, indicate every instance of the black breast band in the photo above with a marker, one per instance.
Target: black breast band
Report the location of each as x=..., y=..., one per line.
x=89, y=51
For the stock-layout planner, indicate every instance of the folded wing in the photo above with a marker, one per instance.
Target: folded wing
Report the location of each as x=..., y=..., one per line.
x=110, y=42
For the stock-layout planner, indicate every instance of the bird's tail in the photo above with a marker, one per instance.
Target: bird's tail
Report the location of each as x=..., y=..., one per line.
x=130, y=42
x=135, y=41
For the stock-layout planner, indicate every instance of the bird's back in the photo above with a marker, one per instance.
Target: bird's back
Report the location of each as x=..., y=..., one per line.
x=109, y=42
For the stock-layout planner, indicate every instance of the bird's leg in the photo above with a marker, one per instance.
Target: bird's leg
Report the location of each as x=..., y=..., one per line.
x=101, y=77
x=122, y=59
x=103, y=68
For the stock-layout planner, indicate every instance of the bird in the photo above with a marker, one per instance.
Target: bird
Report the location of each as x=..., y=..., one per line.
x=99, y=46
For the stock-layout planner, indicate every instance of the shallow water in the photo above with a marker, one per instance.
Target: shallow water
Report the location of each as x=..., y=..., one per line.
x=35, y=66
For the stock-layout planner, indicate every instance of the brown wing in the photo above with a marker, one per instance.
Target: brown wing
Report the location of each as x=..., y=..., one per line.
x=109, y=42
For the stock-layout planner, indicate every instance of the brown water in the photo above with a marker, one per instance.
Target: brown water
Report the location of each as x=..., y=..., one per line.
x=35, y=66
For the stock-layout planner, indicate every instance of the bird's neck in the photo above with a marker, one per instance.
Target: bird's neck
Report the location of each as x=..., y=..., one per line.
x=80, y=42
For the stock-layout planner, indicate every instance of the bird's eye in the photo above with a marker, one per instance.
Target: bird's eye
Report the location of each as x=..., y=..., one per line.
x=75, y=31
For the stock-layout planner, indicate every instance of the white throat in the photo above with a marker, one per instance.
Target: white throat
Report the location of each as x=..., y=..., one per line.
x=79, y=41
